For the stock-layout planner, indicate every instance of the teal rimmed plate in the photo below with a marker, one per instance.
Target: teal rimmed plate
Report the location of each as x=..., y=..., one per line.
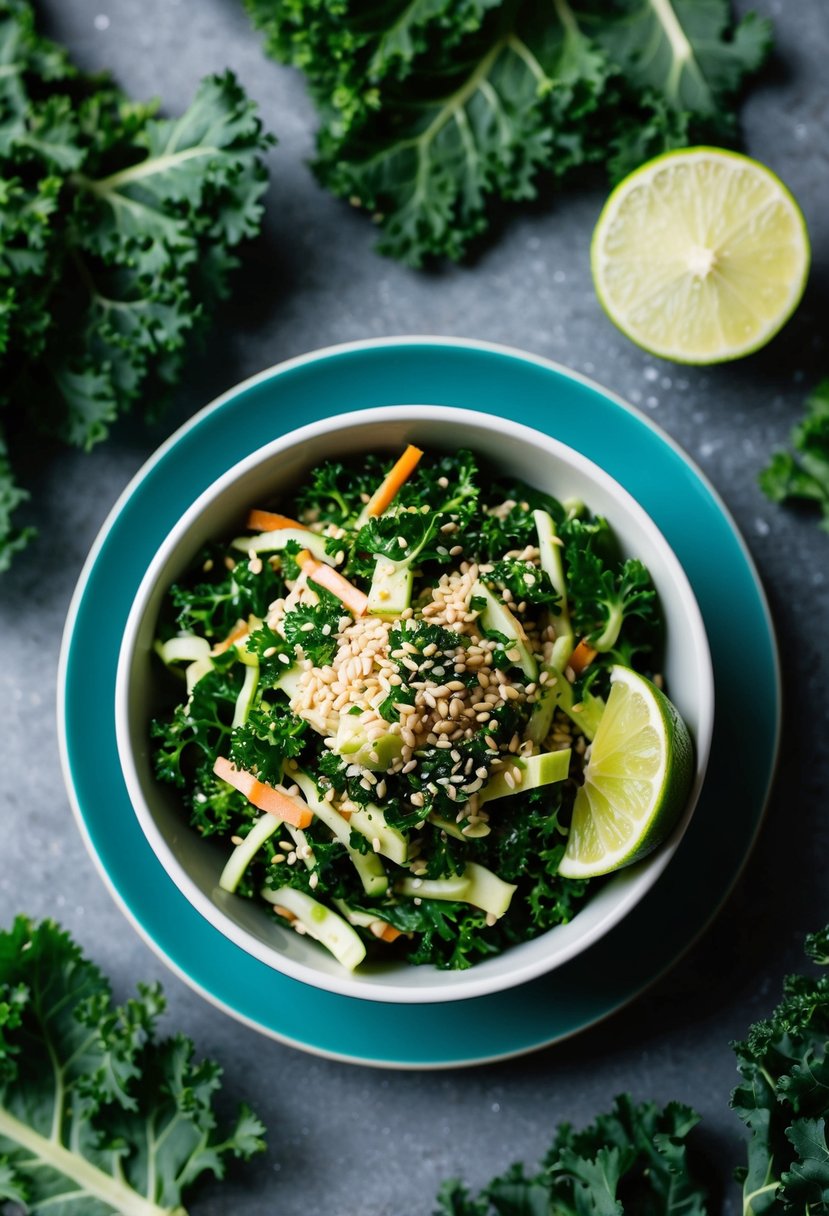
x=701, y=533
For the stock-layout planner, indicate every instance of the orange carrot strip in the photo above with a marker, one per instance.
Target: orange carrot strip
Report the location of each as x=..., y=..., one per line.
x=263, y=796
x=391, y=483
x=390, y=934
x=269, y=521
x=582, y=657
x=239, y=630
x=324, y=576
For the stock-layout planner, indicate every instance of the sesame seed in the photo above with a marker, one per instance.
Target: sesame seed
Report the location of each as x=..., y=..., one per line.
x=313, y=880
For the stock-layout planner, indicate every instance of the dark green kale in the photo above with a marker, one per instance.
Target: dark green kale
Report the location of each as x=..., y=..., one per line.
x=337, y=491
x=270, y=736
x=97, y=1113
x=451, y=936
x=633, y=1159
x=435, y=116
x=524, y=581
x=784, y=1098
x=214, y=598
x=525, y=848
x=603, y=598
x=199, y=728
x=505, y=521
x=117, y=238
x=274, y=656
x=804, y=477
x=314, y=627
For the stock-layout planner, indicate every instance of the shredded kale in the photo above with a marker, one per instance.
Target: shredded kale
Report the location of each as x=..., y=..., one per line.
x=242, y=706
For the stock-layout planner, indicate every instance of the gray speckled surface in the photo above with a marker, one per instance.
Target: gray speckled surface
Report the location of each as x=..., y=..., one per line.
x=347, y=1139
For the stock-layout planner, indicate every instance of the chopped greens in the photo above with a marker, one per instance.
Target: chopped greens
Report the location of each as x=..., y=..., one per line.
x=98, y=1115
x=804, y=477
x=435, y=115
x=400, y=704
x=117, y=238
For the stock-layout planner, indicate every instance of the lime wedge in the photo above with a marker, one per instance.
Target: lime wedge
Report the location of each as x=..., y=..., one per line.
x=636, y=781
x=700, y=255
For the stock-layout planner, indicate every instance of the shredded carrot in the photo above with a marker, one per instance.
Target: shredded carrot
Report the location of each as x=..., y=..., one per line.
x=263, y=796
x=384, y=931
x=391, y=483
x=239, y=631
x=324, y=576
x=582, y=657
x=269, y=521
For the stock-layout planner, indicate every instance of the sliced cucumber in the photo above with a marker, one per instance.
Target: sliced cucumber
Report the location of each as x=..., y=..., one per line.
x=557, y=693
x=353, y=743
x=243, y=854
x=495, y=617
x=247, y=694
x=370, y=822
x=184, y=648
x=549, y=548
x=274, y=542
x=319, y=922
x=195, y=671
x=534, y=771
x=369, y=867
x=390, y=593
x=477, y=886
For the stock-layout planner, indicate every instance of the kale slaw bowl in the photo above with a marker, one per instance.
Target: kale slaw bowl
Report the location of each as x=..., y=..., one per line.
x=272, y=474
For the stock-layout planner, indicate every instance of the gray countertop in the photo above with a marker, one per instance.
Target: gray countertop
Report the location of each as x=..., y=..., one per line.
x=344, y=1138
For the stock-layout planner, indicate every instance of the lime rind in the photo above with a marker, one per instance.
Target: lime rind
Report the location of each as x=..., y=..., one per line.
x=636, y=782
x=753, y=173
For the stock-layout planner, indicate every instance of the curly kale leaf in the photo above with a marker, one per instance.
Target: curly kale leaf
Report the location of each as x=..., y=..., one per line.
x=213, y=606
x=200, y=727
x=784, y=1097
x=804, y=476
x=269, y=737
x=602, y=598
x=314, y=627
x=435, y=115
x=97, y=1114
x=117, y=237
x=525, y=581
x=337, y=492
x=634, y=1158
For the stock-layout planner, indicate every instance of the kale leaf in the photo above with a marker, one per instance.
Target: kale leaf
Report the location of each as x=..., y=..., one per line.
x=784, y=1097
x=632, y=1159
x=804, y=476
x=213, y=606
x=98, y=1115
x=435, y=115
x=202, y=722
x=117, y=238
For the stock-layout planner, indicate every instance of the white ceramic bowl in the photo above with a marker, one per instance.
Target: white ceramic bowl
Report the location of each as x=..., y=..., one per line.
x=194, y=864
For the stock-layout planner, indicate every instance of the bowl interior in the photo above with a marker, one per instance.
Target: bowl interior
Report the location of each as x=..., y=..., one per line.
x=194, y=864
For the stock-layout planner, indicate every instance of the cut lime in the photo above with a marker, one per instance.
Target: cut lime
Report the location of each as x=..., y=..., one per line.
x=636, y=781
x=700, y=255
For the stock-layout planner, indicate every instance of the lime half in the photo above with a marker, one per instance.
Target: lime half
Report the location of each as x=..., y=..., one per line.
x=636, y=781
x=700, y=255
